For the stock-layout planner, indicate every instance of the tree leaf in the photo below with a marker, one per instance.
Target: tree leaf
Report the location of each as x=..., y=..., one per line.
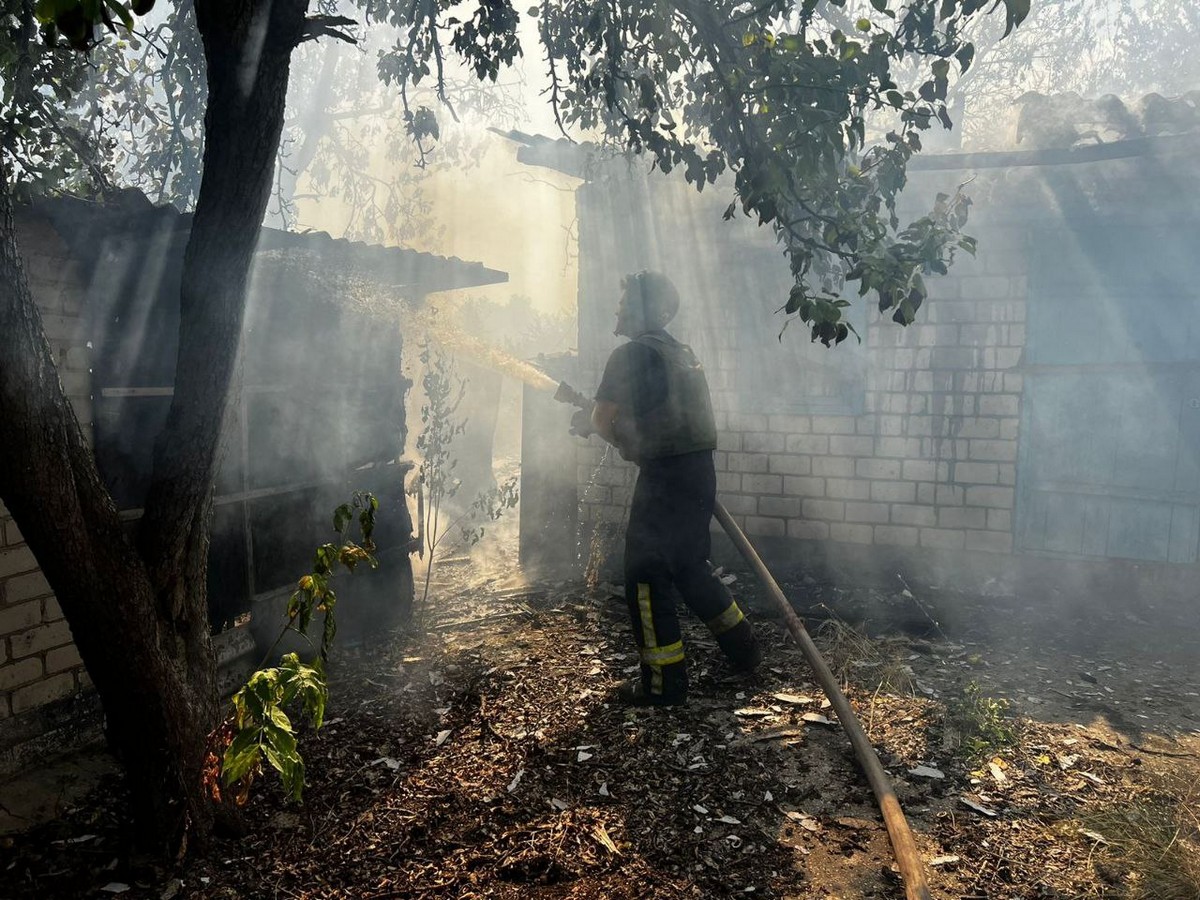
x=241, y=755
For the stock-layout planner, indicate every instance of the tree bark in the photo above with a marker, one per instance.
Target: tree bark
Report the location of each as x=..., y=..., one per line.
x=138, y=611
x=156, y=713
x=247, y=48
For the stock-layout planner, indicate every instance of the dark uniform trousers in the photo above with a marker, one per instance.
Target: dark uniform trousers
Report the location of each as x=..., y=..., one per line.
x=667, y=545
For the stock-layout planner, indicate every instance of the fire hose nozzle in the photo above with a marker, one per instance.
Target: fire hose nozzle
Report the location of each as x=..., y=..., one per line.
x=567, y=394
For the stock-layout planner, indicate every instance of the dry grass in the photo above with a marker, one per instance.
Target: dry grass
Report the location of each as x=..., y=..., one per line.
x=856, y=658
x=1155, y=837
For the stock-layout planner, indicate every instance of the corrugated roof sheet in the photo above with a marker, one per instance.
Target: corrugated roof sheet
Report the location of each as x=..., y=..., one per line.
x=79, y=221
x=1084, y=130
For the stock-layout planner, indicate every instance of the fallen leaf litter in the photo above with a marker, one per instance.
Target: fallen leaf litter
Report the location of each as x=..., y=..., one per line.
x=482, y=761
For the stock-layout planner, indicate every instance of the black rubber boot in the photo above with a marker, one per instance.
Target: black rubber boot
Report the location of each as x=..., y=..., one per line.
x=672, y=685
x=634, y=693
x=741, y=647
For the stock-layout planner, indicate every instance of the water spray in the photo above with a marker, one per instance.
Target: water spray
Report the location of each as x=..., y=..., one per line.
x=908, y=858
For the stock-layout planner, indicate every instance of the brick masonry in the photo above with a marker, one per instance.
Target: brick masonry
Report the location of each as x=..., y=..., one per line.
x=38, y=661
x=929, y=462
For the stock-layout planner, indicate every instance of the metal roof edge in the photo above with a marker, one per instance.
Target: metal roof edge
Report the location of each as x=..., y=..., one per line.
x=1132, y=148
x=461, y=273
x=1151, y=145
x=130, y=212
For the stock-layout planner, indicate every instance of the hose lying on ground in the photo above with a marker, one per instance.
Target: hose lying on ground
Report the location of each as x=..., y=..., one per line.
x=903, y=846
x=908, y=858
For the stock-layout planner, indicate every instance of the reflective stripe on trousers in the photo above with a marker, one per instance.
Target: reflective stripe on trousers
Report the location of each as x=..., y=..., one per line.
x=727, y=619
x=652, y=655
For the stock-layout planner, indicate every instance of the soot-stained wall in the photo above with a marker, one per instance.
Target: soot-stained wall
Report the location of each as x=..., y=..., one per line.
x=320, y=413
x=39, y=665
x=1044, y=406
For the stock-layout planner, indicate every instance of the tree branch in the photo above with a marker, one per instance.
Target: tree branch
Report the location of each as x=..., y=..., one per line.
x=316, y=27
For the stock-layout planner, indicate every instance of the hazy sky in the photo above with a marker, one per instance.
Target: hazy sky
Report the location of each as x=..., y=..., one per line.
x=520, y=220
x=501, y=213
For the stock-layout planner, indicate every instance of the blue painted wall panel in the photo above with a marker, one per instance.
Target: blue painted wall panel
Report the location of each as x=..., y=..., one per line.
x=1110, y=462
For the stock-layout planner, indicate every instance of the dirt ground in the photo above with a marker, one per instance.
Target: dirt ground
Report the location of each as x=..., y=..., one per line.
x=1035, y=758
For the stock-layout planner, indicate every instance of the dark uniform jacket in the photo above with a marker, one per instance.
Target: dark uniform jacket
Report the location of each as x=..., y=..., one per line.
x=662, y=395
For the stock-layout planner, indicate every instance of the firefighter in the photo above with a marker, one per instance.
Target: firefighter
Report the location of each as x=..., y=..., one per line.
x=653, y=404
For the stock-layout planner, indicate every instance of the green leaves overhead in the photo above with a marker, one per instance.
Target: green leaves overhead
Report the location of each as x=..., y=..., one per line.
x=796, y=103
x=1015, y=12
x=77, y=20
x=487, y=40
x=778, y=95
x=124, y=107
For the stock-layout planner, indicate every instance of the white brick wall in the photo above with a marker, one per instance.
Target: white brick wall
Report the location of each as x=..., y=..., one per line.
x=38, y=661
x=931, y=461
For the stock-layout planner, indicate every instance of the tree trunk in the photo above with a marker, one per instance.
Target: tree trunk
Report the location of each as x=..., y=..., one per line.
x=247, y=47
x=139, y=613
x=156, y=713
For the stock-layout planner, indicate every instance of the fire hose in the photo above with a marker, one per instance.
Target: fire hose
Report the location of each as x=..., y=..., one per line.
x=904, y=847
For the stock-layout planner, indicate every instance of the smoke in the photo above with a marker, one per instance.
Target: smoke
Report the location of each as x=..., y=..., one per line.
x=987, y=428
